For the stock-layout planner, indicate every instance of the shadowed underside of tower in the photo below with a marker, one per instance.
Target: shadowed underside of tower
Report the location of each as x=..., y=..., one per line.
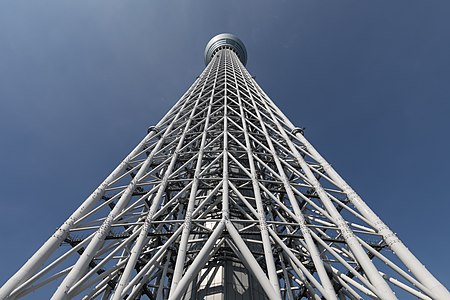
x=224, y=199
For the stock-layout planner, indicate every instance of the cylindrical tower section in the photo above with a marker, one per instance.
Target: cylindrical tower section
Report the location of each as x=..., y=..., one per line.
x=225, y=41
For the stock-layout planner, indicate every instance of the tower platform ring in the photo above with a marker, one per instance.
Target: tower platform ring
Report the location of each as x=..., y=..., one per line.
x=225, y=40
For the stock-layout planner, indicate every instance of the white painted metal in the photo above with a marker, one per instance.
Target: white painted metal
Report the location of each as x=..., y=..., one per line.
x=224, y=199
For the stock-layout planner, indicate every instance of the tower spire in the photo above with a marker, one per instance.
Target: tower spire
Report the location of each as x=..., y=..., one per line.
x=224, y=198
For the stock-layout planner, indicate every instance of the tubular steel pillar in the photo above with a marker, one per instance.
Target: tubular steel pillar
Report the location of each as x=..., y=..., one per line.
x=224, y=199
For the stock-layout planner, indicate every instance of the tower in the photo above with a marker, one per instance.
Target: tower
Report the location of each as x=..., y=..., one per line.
x=224, y=198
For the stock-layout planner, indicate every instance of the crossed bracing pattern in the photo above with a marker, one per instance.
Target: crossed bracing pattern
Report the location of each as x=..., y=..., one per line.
x=224, y=178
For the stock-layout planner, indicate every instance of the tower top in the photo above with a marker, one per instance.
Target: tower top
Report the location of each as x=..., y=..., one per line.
x=223, y=40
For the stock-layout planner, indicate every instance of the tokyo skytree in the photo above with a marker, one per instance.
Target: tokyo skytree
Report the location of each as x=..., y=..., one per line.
x=224, y=198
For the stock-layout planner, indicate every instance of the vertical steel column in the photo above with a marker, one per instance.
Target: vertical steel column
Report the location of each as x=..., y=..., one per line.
x=315, y=256
x=257, y=193
x=137, y=248
x=181, y=255
x=198, y=263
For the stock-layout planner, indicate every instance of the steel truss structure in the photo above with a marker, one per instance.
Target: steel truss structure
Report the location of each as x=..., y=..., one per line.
x=224, y=199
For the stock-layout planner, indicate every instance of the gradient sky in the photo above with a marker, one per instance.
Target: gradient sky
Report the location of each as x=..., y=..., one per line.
x=81, y=81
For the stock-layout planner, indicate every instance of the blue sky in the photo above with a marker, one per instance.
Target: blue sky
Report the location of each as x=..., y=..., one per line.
x=80, y=82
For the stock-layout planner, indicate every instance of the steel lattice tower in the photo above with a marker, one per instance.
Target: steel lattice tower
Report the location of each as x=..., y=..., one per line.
x=224, y=199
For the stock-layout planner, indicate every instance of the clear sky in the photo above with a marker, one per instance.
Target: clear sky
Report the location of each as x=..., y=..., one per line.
x=81, y=81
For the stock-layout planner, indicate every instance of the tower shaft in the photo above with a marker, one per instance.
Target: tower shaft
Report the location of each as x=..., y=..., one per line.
x=224, y=198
